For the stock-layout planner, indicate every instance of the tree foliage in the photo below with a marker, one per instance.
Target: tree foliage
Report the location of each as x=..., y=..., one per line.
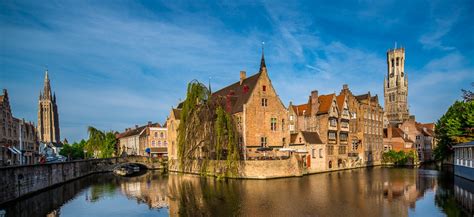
x=73, y=151
x=206, y=130
x=398, y=158
x=100, y=143
x=454, y=127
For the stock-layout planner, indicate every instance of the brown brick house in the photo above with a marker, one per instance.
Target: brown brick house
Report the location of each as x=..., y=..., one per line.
x=397, y=140
x=260, y=115
x=312, y=150
x=366, y=125
x=324, y=115
x=172, y=124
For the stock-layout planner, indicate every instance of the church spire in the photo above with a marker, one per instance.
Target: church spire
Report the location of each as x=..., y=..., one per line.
x=263, y=67
x=47, y=86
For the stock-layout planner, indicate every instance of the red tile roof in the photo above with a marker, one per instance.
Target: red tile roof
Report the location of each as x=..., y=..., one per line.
x=303, y=109
x=311, y=137
x=325, y=102
x=340, y=101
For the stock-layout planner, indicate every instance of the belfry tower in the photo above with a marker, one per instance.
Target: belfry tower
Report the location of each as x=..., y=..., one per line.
x=48, y=117
x=396, y=87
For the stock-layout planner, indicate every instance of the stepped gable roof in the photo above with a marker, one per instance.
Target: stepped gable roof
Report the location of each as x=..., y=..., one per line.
x=239, y=93
x=303, y=109
x=362, y=97
x=177, y=113
x=374, y=98
x=340, y=101
x=325, y=102
x=311, y=137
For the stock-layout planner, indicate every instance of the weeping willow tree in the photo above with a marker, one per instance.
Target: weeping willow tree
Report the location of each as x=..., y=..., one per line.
x=206, y=131
x=100, y=143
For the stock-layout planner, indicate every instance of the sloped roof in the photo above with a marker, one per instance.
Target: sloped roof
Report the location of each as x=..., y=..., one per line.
x=303, y=109
x=177, y=113
x=311, y=137
x=397, y=132
x=325, y=102
x=238, y=93
x=340, y=101
x=132, y=132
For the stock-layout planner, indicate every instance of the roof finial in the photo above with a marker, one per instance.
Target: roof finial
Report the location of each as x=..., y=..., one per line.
x=262, y=61
x=395, y=45
x=210, y=91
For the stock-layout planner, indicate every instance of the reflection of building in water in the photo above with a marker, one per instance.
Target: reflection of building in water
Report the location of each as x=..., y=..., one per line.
x=150, y=189
x=464, y=194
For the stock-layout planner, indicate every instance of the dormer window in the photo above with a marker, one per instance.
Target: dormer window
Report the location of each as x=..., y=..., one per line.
x=264, y=88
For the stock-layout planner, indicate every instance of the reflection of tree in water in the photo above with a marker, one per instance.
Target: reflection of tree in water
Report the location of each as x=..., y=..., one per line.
x=444, y=197
x=100, y=191
x=194, y=196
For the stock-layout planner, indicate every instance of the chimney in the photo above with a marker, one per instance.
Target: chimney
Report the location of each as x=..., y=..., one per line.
x=345, y=86
x=314, y=102
x=243, y=76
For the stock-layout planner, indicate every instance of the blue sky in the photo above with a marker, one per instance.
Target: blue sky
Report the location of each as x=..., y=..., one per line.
x=114, y=64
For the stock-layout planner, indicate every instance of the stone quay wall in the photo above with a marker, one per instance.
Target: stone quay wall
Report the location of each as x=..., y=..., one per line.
x=18, y=181
x=250, y=169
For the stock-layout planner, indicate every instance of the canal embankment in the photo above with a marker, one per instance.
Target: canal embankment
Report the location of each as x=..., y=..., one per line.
x=19, y=181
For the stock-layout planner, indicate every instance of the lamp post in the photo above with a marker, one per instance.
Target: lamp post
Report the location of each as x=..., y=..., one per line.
x=85, y=154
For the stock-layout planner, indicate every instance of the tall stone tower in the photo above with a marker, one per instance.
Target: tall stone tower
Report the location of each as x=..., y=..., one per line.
x=396, y=87
x=48, y=117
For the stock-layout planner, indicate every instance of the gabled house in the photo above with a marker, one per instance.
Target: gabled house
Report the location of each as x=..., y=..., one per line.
x=259, y=113
x=311, y=148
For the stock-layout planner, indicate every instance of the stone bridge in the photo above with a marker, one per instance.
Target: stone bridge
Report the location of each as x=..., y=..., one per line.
x=19, y=181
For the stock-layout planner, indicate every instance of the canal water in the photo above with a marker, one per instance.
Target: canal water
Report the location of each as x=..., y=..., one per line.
x=359, y=192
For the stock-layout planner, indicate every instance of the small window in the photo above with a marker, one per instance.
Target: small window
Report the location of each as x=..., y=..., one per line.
x=264, y=102
x=313, y=153
x=273, y=124
x=320, y=153
x=264, y=88
x=300, y=140
x=156, y=134
x=263, y=141
x=283, y=141
x=153, y=143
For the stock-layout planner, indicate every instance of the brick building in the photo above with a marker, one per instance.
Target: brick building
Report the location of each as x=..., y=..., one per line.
x=366, y=126
x=18, y=138
x=153, y=140
x=259, y=113
x=397, y=140
x=423, y=137
x=328, y=117
x=396, y=87
x=173, y=123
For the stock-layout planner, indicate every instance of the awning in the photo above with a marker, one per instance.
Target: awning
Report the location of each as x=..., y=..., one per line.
x=18, y=151
x=301, y=151
x=13, y=150
x=287, y=149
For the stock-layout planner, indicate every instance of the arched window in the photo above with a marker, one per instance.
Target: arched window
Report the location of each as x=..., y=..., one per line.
x=159, y=143
x=162, y=135
x=330, y=164
x=156, y=134
x=153, y=143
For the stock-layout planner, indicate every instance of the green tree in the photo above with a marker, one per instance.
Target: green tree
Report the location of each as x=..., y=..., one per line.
x=73, y=151
x=100, y=143
x=454, y=127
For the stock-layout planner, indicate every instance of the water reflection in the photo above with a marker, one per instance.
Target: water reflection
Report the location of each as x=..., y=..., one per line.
x=362, y=192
